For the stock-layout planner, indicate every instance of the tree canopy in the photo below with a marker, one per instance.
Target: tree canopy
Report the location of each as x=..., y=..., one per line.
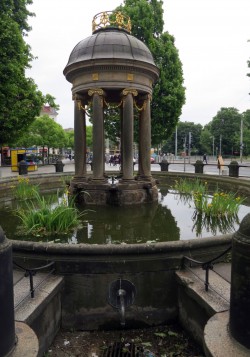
x=20, y=100
x=169, y=93
x=44, y=131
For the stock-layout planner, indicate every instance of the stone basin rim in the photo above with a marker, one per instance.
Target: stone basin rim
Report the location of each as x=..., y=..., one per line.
x=121, y=249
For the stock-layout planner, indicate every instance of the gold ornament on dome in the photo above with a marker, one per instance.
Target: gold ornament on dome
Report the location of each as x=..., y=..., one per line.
x=111, y=19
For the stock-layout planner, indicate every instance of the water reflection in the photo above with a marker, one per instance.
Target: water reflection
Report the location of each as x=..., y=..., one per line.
x=172, y=218
x=214, y=225
x=136, y=224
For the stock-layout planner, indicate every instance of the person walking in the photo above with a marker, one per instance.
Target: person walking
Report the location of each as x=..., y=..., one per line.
x=205, y=158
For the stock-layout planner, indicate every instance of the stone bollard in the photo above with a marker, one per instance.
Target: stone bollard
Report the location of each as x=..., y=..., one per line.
x=164, y=165
x=233, y=169
x=7, y=323
x=22, y=168
x=198, y=167
x=239, y=322
x=59, y=166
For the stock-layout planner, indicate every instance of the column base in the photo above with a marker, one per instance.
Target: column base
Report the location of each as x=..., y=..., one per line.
x=119, y=194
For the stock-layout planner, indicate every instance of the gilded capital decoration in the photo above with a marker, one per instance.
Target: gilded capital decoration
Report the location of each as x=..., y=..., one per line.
x=93, y=91
x=78, y=98
x=127, y=91
x=111, y=19
x=98, y=91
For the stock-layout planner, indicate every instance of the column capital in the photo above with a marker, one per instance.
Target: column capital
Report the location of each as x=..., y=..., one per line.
x=127, y=91
x=81, y=100
x=93, y=91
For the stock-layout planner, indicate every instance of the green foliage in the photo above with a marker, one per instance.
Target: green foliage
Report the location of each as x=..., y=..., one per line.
x=69, y=134
x=222, y=204
x=41, y=217
x=190, y=186
x=183, y=130
x=169, y=93
x=89, y=136
x=24, y=190
x=44, y=131
x=20, y=101
x=49, y=99
x=226, y=124
x=246, y=131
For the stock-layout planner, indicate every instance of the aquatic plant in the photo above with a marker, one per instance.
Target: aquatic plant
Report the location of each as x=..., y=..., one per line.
x=185, y=186
x=221, y=204
x=44, y=217
x=24, y=189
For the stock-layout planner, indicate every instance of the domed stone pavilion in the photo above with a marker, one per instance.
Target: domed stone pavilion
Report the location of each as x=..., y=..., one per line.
x=112, y=69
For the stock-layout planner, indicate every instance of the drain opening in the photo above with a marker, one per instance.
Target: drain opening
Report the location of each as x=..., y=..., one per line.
x=121, y=349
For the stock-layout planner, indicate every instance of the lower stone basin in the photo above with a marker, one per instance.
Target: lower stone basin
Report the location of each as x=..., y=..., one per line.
x=90, y=272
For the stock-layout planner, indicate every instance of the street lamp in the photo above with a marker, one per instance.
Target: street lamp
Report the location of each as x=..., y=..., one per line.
x=220, y=143
x=213, y=145
x=241, y=139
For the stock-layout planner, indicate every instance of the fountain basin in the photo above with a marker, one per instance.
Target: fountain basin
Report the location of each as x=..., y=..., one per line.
x=89, y=270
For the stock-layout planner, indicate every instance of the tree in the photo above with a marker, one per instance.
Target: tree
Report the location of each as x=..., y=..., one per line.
x=20, y=100
x=89, y=136
x=69, y=139
x=49, y=99
x=183, y=130
x=44, y=132
x=246, y=132
x=225, y=127
x=168, y=94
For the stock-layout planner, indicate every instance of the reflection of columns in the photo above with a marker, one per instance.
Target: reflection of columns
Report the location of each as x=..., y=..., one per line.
x=144, y=171
x=121, y=140
x=80, y=138
x=128, y=133
x=98, y=133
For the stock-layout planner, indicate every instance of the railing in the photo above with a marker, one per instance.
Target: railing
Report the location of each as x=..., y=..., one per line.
x=208, y=265
x=31, y=272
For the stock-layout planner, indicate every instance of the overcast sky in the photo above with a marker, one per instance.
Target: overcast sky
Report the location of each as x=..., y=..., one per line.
x=210, y=35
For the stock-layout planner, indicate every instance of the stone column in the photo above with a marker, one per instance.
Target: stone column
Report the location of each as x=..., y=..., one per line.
x=7, y=324
x=144, y=171
x=98, y=133
x=239, y=322
x=80, y=138
x=121, y=140
x=128, y=134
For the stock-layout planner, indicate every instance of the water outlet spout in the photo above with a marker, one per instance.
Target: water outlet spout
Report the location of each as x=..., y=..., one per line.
x=121, y=294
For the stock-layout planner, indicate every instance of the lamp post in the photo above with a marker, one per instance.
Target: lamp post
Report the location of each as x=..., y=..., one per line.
x=213, y=145
x=241, y=139
x=220, y=143
x=175, y=154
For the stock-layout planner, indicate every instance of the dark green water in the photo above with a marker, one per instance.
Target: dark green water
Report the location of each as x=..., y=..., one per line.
x=171, y=219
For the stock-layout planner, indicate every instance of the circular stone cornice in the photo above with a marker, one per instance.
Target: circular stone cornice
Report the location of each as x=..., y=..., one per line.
x=76, y=69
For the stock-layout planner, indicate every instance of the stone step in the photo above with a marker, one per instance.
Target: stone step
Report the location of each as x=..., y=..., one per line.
x=196, y=305
x=217, y=297
x=43, y=312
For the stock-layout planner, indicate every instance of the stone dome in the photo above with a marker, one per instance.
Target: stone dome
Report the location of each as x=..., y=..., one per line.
x=111, y=43
x=111, y=59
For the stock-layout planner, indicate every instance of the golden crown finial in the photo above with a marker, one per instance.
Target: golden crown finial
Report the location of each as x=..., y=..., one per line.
x=111, y=19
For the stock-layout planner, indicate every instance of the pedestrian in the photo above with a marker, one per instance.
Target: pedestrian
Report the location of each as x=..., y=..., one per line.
x=205, y=158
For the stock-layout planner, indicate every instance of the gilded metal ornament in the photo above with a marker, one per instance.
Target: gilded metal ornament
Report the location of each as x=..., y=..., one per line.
x=111, y=19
